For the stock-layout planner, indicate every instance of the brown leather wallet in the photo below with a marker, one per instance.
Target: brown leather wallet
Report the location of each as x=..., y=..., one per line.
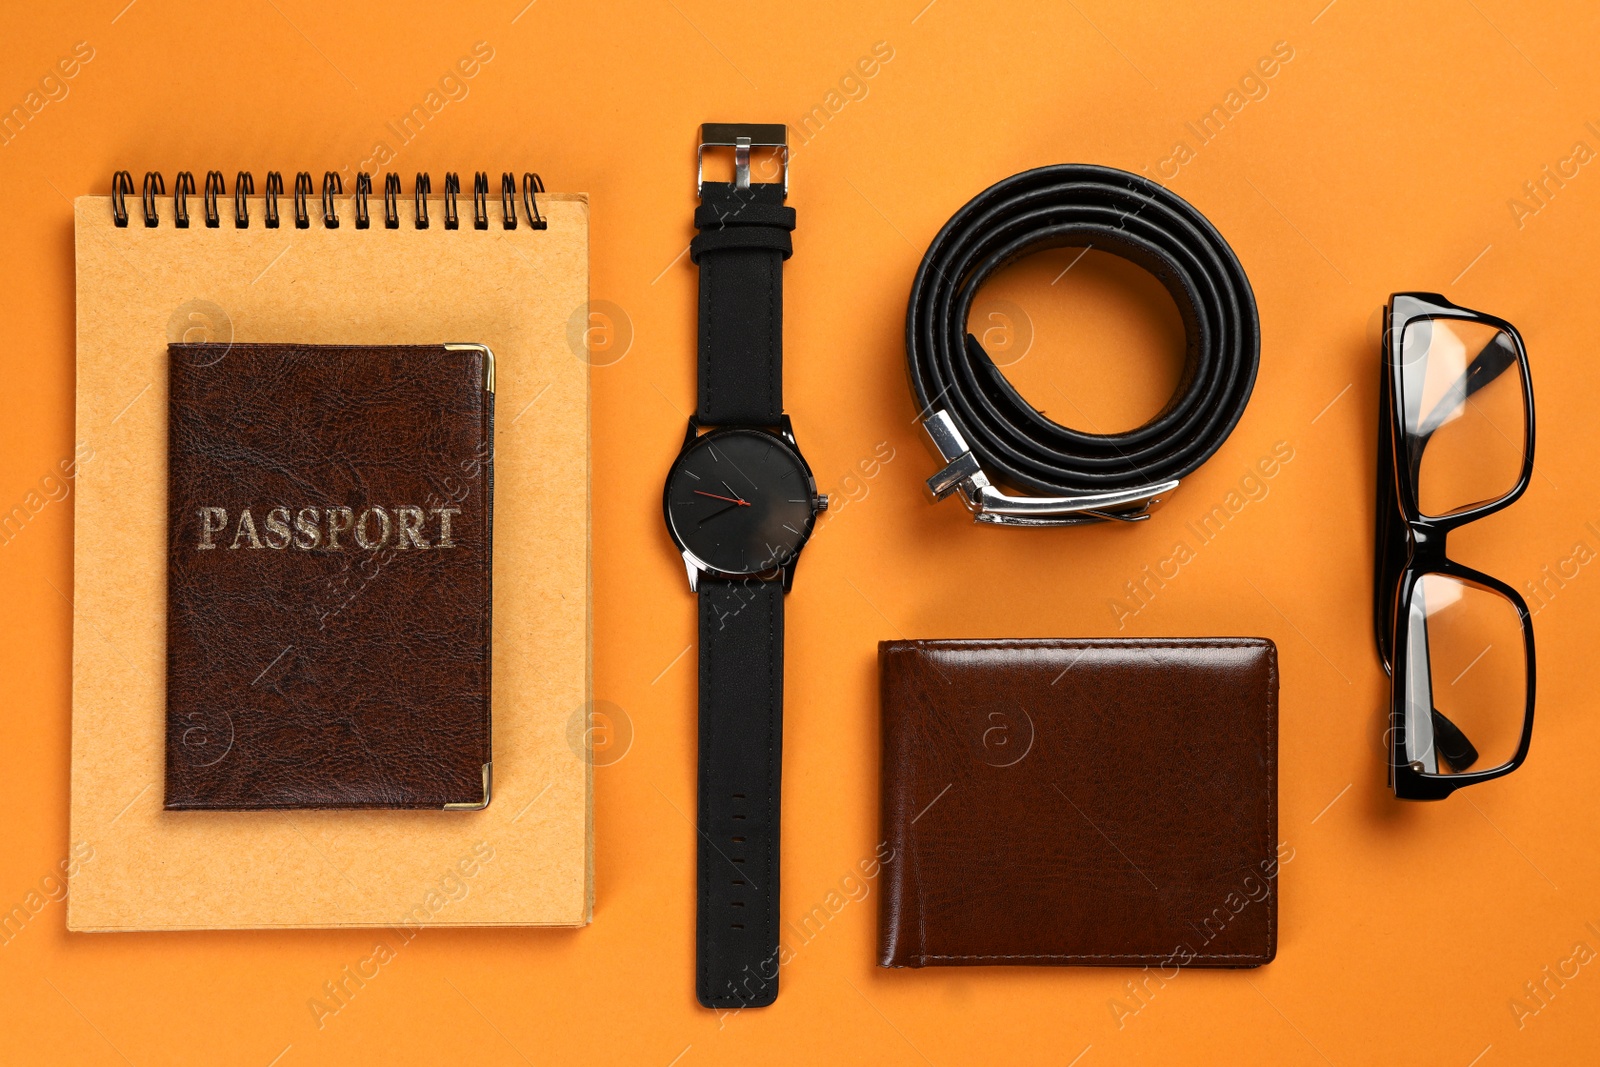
x=1107, y=802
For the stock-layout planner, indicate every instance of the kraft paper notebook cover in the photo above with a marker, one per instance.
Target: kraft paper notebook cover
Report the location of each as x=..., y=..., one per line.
x=140, y=288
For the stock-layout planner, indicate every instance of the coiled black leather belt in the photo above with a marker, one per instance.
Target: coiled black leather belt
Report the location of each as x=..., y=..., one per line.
x=983, y=427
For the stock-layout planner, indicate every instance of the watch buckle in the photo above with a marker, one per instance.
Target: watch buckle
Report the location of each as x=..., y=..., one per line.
x=741, y=137
x=963, y=475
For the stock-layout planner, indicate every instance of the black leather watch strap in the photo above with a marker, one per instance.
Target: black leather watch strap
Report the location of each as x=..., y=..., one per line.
x=741, y=769
x=740, y=249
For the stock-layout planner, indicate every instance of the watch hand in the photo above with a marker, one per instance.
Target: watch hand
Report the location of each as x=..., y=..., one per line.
x=714, y=514
x=729, y=499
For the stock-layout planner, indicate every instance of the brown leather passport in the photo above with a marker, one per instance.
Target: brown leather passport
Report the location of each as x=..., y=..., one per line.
x=328, y=588
x=1080, y=802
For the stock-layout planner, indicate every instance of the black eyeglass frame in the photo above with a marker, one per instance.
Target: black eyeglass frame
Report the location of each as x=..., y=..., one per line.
x=1411, y=545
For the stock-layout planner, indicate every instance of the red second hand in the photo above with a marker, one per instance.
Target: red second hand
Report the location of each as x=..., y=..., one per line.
x=729, y=499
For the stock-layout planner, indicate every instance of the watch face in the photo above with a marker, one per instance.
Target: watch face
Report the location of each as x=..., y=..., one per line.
x=740, y=501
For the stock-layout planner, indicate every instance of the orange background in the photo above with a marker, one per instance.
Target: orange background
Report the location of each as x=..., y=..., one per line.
x=1383, y=156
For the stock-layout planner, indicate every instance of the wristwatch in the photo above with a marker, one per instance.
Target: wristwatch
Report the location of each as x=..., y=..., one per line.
x=740, y=503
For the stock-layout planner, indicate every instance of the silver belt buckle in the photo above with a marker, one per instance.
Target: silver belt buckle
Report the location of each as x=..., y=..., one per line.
x=962, y=474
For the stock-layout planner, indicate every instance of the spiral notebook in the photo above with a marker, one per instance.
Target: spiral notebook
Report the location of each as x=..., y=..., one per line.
x=504, y=265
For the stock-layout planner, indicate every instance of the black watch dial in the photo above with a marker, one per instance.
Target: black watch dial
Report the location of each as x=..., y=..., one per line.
x=740, y=501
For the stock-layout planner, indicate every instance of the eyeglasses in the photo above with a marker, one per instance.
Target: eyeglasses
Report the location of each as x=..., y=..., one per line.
x=1455, y=444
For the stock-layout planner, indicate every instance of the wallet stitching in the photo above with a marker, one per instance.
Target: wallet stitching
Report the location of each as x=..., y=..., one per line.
x=915, y=882
x=916, y=854
x=1270, y=829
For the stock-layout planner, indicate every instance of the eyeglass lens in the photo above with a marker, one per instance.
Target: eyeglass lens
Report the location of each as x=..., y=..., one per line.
x=1465, y=677
x=1464, y=417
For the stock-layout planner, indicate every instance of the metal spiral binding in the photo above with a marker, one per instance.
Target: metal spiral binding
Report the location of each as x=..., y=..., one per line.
x=532, y=183
x=214, y=188
x=273, y=191
x=154, y=186
x=423, y=189
x=244, y=187
x=508, y=200
x=391, y=201
x=182, y=189
x=480, y=201
x=121, y=189
x=363, y=190
x=332, y=186
x=302, y=189
x=452, y=190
